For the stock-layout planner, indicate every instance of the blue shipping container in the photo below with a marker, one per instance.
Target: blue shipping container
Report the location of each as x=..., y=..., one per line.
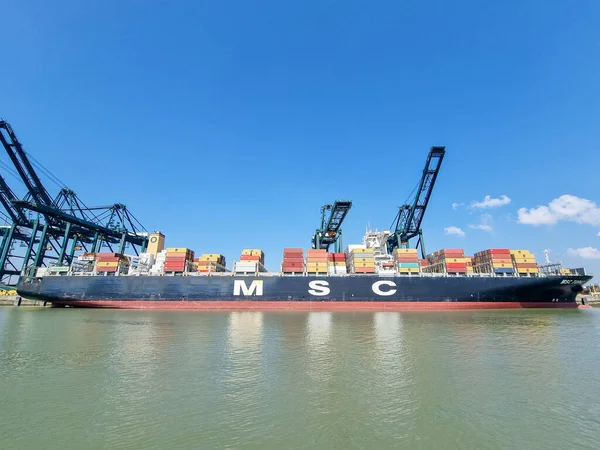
x=409, y=265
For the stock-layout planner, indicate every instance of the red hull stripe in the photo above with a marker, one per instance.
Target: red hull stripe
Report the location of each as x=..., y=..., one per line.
x=311, y=306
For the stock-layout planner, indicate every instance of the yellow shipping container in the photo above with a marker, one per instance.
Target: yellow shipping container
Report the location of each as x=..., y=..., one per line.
x=406, y=250
x=521, y=270
x=178, y=250
x=317, y=265
x=502, y=266
x=107, y=264
x=337, y=264
x=524, y=260
x=521, y=253
x=457, y=260
x=409, y=270
x=362, y=250
x=211, y=255
x=361, y=260
x=252, y=252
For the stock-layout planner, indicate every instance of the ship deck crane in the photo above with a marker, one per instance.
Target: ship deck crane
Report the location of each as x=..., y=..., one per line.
x=407, y=224
x=330, y=232
x=61, y=225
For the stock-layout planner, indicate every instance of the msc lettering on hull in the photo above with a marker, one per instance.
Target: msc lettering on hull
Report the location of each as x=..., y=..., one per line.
x=241, y=288
x=318, y=288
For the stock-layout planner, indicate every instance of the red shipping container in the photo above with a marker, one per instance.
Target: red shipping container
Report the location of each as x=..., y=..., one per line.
x=106, y=269
x=293, y=264
x=316, y=252
x=499, y=251
x=179, y=257
x=456, y=266
x=450, y=256
x=527, y=266
x=316, y=258
x=293, y=250
x=293, y=259
x=457, y=270
x=249, y=258
x=364, y=270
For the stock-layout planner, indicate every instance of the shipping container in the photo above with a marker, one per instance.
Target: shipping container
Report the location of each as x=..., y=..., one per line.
x=526, y=266
x=107, y=264
x=364, y=270
x=408, y=265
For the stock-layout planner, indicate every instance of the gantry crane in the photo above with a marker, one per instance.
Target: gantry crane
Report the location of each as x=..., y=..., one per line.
x=407, y=223
x=54, y=229
x=330, y=232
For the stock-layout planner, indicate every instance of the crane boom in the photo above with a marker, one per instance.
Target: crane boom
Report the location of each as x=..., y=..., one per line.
x=330, y=230
x=21, y=162
x=7, y=197
x=410, y=217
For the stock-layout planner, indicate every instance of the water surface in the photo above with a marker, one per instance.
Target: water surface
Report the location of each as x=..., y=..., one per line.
x=274, y=380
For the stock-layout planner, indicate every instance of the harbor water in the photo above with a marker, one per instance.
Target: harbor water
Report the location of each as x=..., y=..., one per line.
x=75, y=379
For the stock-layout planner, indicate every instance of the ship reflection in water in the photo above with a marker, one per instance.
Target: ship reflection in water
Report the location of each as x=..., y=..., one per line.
x=245, y=331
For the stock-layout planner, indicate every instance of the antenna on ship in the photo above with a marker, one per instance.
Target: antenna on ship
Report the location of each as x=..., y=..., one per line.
x=546, y=256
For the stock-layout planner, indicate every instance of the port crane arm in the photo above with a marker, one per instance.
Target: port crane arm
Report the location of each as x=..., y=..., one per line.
x=133, y=238
x=330, y=230
x=7, y=197
x=410, y=217
x=19, y=158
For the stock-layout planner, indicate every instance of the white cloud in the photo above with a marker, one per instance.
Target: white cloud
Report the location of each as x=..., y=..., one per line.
x=568, y=208
x=485, y=225
x=489, y=202
x=455, y=205
x=598, y=233
x=585, y=252
x=455, y=231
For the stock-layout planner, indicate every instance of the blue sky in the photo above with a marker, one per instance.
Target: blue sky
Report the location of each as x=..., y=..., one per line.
x=228, y=124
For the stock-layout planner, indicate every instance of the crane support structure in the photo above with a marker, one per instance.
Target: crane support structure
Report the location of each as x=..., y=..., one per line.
x=330, y=231
x=49, y=231
x=410, y=216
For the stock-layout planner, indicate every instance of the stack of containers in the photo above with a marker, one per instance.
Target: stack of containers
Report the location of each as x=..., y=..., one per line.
x=361, y=260
x=293, y=260
x=448, y=260
x=251, y=260
x=407, y=260
x=336, y=263
x=423, y=263
x=108, y=262
x=524, y=262
x=316, y=261
x=210, y=262
x=469, y=264
x=494, y=260
x=177, y=259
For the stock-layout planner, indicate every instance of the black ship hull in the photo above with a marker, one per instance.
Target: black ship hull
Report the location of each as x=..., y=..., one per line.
x=351, y=292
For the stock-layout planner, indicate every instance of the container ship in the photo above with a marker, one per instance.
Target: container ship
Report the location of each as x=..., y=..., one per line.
x=363, y=277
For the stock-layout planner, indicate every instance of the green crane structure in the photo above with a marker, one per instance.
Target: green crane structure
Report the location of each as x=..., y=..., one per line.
x=407, y=224
x=330, y=232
